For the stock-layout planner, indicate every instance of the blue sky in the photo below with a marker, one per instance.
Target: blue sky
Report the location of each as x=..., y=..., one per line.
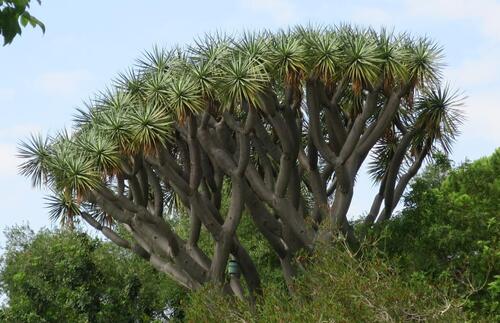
x=43, y=78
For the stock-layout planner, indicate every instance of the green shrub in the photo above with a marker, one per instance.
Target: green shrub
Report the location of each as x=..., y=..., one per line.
x=335, y=286
x=62, y=276
x=449, y=230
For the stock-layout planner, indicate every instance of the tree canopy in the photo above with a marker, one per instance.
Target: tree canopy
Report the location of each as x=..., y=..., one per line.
x=282, y=121
x=450, y=230
x=63, y=276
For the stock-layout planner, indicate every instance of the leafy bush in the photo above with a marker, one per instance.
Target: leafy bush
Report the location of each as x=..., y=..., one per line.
x=449, y=230
x=67, y=276
x=335, y=286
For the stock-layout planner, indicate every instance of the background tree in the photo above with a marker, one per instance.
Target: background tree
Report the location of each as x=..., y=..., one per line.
x=450, y=230
x=282, y=121
x=62, y=276
x=14, y=15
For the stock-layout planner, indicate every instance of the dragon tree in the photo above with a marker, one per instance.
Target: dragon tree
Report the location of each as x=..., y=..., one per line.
x=276, y=124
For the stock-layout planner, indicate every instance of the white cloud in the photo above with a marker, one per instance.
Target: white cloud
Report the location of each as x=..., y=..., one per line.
x=480, y=80
x=63, y=82
x=281, y=11
x=481, y=14
x=485, y=12
x=481, y=71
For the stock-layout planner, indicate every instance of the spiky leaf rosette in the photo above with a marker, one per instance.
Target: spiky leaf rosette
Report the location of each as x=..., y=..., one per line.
x=423, y=62
x=100, y=150
x=205, y=74
x=392, y=53
x=242, y=79
x=184, y=96
x=324, y=55
x=36, y=153
x=155, y=61
x=254, y=46
x=362, y=61
x=150, y=126
x=438, y=115
x=156, y=88
x=211, y=48
x=288, y=58
x=131, y=82
x=114, y=125
x=381, y=157
x=62, y=206
x=114, y=99
x=75, y=173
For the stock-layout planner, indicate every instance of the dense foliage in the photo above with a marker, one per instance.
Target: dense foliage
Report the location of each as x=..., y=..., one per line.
x=281, y=122
x=449, y=230
x=66, y=276
x=13, y=16
x=335, y=286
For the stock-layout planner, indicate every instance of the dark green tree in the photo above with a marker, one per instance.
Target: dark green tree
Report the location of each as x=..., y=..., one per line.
x=450, y=230
x=284, y=120
x=13, y=16
x=63, y=276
